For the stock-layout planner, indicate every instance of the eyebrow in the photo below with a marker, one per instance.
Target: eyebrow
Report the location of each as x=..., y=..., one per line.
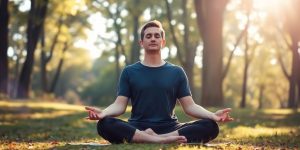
x=153, y=34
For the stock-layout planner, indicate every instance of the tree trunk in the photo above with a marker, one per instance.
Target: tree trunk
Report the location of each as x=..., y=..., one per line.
x=189, y=47
x=244, y=86
x=4, y=17
x=298, y=96
x=135, y=48
x=292, y=25
x=44, y=80
x=45, y=59
x=247, y=63
x=174, y=38
x=37, y=15
x=210, y=24
x=261, y=94
x=58, y=71
x=294, y=75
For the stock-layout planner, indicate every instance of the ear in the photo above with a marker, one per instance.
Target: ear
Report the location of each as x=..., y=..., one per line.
x=141, y=43
x=163, y=43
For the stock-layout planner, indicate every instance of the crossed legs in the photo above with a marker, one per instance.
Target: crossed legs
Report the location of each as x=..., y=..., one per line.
x=118, y=131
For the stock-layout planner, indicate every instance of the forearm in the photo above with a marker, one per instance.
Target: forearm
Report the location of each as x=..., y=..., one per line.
x=116, y=109
x=112, y=111
x=198, y=111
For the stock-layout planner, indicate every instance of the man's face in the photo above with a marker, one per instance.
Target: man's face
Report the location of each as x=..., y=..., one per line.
x=152, y=39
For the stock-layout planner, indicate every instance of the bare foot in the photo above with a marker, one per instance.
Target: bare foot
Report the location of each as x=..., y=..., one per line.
x=150, y=131
x=167, y=139
x=173, y=139
x=145, y=137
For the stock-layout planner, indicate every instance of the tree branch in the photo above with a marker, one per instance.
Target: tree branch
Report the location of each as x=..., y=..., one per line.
x=225, y=71
x=55, y=39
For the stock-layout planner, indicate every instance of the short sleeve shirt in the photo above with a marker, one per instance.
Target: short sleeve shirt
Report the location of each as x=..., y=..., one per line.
x=153, y=91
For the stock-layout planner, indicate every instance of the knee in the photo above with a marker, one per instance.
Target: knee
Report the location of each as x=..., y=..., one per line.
x=104, y=125
x=211, y=129
x=214, y=129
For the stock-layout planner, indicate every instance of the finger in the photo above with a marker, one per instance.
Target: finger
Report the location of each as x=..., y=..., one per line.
x=226, y=110
x=89, y=108
x=98, y=116
x=229, y=119
x=89, y=114
x=93, y=115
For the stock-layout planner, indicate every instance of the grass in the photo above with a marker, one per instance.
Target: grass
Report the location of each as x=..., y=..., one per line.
x=49, y=125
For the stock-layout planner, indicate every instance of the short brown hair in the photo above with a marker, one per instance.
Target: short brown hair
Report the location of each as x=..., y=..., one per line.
x=153, y=23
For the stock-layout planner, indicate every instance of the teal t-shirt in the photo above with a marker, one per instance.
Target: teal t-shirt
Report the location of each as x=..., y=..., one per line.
x=153, y=91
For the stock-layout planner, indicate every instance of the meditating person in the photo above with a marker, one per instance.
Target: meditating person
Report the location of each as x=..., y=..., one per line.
x=153, y=86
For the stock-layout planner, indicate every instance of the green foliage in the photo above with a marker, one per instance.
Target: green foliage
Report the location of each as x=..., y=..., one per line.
x=102, y=91
x=267, y=40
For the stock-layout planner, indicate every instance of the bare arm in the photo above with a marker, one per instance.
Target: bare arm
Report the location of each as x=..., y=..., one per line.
x=197, y=111
x=115, y=109
x=192, y=109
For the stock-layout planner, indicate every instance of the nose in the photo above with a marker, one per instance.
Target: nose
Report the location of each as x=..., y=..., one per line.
x=153, y=39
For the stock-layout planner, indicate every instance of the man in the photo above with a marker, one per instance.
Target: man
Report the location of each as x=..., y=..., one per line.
x=153, y=86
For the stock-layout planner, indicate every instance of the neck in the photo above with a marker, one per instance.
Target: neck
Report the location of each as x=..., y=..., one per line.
x=153, y=59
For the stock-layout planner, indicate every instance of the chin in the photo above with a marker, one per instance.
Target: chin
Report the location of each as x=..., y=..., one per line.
x=152, y=49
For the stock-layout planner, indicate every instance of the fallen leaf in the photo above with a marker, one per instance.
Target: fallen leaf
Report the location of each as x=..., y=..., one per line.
x=54, y=142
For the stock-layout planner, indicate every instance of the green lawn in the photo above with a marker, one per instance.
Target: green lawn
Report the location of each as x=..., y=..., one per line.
x=49, y=125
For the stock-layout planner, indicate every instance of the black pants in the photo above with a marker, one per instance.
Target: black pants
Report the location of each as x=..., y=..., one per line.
x=118, y=131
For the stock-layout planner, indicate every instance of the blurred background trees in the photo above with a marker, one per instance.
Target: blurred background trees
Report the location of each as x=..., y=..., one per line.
x=238, y=53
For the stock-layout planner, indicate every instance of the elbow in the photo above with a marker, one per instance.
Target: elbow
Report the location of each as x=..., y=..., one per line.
x=123, y=111
x=188, y=112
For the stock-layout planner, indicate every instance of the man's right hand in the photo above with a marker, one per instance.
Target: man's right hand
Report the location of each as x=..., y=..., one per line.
x=94, y=113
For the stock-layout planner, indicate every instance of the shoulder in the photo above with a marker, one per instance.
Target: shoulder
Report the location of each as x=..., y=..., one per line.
x=174, y=67
x=133, y=66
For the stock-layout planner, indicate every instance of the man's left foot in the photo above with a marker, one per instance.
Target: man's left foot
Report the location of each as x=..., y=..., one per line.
x=150, y=131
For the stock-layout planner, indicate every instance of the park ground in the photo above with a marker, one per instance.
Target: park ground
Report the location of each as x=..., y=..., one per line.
x=54, y=125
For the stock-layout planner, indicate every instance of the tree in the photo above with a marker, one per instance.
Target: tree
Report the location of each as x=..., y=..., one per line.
x=4, y=17
x=210, y=24
x=291, y=27
x=46, y=57
x=186, y=53
x=117, y=27
x=293, y=24
x=248, y=5
x=35, y=23
x=136, y=11
x=67, y=24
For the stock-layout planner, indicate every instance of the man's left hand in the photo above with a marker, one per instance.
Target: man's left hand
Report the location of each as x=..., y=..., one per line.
x=222, y=115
